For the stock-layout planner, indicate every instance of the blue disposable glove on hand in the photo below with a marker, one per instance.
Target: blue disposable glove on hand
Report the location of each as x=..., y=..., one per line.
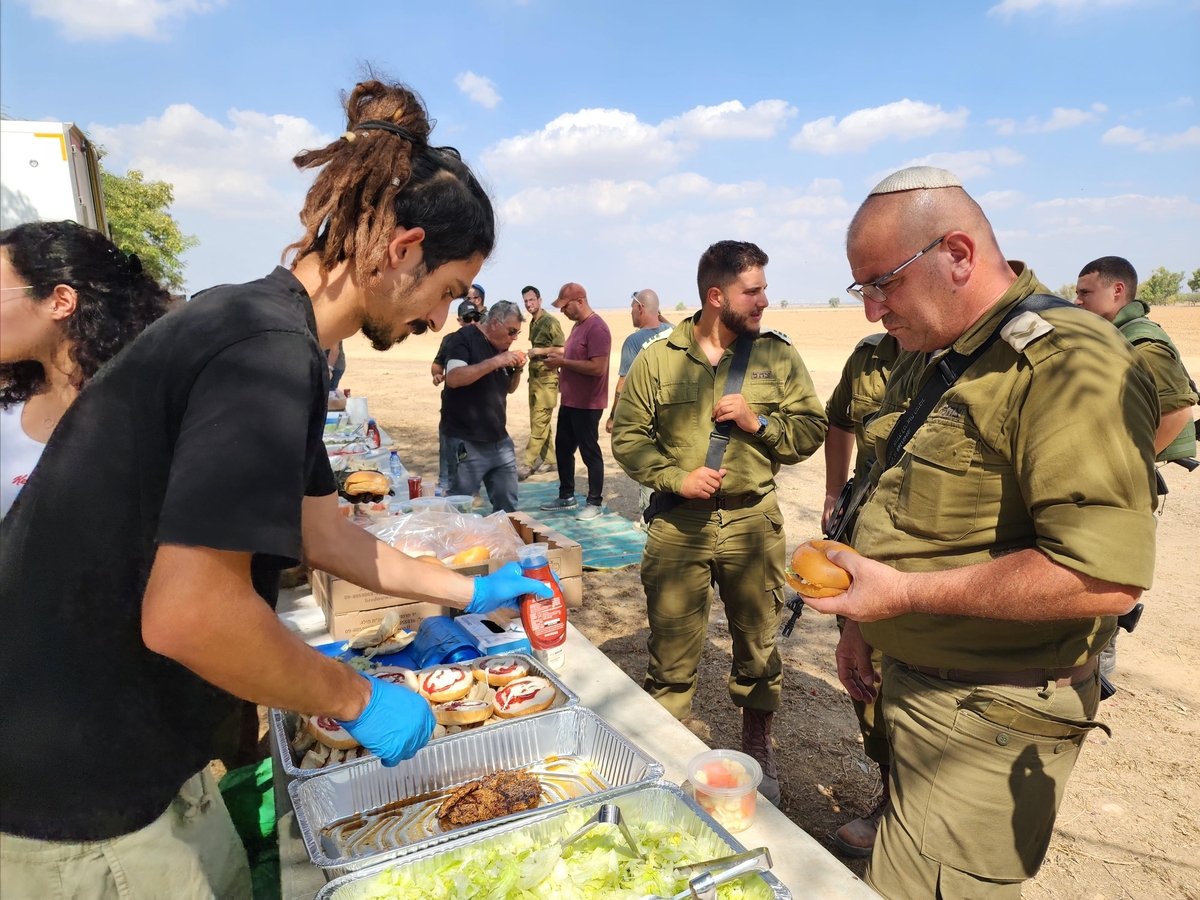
x=503, y=587
x=396, y=723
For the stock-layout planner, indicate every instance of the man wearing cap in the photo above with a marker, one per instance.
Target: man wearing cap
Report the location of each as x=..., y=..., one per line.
x=583, y=378
x=468, y=316
x=1012, y=521
x=545, y=338
x=475, y=295
x=718, y=525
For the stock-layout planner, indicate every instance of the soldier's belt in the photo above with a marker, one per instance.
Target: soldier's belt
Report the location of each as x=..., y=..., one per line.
x=1027, y=678
x=731, y=501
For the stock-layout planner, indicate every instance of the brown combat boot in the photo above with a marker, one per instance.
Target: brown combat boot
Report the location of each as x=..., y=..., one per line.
x=756, y=742
x=857, y=838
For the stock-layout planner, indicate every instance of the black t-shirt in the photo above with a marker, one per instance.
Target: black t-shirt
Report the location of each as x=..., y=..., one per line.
x=440, y=357
x=477, y=412
x=205, y=431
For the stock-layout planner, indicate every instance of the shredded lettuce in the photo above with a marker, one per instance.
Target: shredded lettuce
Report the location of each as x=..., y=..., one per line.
x=596, y=867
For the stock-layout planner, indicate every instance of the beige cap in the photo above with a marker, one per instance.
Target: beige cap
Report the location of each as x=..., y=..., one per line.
x=916, y=178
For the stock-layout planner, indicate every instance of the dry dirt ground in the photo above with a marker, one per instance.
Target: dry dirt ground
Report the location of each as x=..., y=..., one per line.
x=1129, y=826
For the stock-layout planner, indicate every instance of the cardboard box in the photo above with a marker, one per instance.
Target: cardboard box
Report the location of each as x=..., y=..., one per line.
x=345, y=626
x=565, y=555
x=343, y=597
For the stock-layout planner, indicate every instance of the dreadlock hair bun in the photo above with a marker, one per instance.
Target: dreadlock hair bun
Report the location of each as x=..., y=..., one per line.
x=382, y=174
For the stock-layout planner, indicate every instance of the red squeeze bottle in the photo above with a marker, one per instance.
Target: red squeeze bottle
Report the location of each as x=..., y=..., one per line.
x=545, y=620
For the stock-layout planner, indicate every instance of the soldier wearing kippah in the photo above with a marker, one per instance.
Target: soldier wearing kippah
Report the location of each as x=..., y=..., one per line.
x=1011, y=523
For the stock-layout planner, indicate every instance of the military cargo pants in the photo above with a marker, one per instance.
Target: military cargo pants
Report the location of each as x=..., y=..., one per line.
x=870, y=717
x=190, y=852
x=543, y=397
x=977, y=775
x=742, y=552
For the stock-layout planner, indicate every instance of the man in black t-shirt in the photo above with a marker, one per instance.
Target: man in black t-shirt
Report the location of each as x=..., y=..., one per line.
x=480, y=374
x=468, y=317
x=140, y=565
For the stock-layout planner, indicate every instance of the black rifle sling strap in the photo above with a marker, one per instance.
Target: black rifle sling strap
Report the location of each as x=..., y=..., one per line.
x=719, y=439
x=949, y=368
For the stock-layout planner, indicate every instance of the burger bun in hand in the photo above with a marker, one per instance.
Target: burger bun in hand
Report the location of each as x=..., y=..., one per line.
x=812, y=574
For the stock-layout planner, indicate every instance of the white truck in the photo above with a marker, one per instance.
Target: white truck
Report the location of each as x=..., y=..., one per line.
x=49, y=171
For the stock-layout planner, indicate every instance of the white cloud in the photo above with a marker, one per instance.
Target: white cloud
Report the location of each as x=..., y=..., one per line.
x=106, y=20
x=239, y=170
x=1060, y=118
x=1123, y=134
x=732, y=119
x=1000, y=199
x=1182, y=101
x=1075, y=211
x=902, y=120
x=481, y=90
x=1154, y=142
x=1008, y=8
x=966, y=164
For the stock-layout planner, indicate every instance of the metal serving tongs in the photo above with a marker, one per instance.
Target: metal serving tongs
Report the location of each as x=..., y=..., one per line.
x=607, y=814
x=717, y=872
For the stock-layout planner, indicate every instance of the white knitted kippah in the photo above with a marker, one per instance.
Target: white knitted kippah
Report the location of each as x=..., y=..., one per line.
x=916, y=178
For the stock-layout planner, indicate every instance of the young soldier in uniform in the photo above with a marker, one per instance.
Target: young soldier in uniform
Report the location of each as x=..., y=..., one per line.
x=151, y=536
x=725, y=526
x=546, y=339
x=999, y=546
x=1107, y=287
x=855, y=399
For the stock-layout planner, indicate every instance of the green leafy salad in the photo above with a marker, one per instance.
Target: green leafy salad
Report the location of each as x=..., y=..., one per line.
x=519, y=868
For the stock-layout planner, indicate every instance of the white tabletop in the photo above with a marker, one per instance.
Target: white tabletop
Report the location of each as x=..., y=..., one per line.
x=807, y=868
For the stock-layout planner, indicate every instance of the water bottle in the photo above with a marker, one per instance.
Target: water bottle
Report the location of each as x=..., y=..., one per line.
x=396, y=469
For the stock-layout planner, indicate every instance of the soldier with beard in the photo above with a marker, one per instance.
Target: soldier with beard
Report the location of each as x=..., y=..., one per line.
x=719, y=526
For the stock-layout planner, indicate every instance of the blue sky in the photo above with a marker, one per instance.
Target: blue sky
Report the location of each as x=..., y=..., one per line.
x=619, y=139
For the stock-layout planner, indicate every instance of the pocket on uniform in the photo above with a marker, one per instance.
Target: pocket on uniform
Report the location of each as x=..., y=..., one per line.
x=1000, y=779
x=677, y=417
x=762, y=396
x=939, y=498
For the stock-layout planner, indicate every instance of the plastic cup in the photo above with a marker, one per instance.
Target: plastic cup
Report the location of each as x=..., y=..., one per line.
x=534, y=556
x=414, y=486
x=356, y=409
x=461, y=502
x=725, y=783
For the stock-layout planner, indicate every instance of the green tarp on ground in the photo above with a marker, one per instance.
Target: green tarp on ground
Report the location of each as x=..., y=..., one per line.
x=609, y=542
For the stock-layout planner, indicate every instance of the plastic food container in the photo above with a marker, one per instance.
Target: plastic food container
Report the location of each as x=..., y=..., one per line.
x=725, y=783
x=433, y=504
x=461, y=502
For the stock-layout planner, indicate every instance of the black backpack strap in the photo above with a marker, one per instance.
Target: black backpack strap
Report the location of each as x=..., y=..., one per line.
x=949, y=369
x=719, y=439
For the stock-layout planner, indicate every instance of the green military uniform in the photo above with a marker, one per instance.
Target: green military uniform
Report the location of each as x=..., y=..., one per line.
x=855, y=399
x=1046, y=442
x=544, y=331
x=1176, y=390
x=660, y=434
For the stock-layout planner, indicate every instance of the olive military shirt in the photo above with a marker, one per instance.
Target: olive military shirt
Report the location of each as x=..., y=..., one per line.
x=664, y=417
x=1046, y=441
x=544, y=331
x=1176, y=389
x=859, y=393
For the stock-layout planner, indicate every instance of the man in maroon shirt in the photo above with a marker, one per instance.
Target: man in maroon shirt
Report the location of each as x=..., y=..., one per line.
x=583, y=382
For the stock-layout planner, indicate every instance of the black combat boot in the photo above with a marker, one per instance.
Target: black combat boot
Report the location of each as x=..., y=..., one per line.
x=756, y=742
x=857, y=837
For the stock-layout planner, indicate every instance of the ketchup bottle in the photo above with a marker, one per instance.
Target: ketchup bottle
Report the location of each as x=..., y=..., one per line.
x=373, y=436
x=545, y=620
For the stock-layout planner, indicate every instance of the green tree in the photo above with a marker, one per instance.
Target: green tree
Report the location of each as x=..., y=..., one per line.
x=1161, y=287
x=679, y=307
x=835, y=302
x=1194, y=281
x=138, y=214
x=783, y=304
x=1067, y=292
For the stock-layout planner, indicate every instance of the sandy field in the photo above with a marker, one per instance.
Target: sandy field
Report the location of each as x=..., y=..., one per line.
x=1129, y=825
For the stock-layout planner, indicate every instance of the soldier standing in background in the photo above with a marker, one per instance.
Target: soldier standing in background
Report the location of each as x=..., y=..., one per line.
x=853, y=402
x=546, y=338
x=1011, y=523
x=718, y=525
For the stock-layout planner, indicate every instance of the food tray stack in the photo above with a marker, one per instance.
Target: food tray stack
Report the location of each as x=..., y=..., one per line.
x=659, y=802
x=612, y=763
x=283, y=724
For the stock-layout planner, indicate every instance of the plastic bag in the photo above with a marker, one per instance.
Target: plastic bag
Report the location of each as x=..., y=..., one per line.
x=445, y=534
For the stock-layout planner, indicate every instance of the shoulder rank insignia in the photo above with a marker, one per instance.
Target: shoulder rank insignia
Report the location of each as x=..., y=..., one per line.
x=1024, y=330
x=778, y=334
x=871, y=340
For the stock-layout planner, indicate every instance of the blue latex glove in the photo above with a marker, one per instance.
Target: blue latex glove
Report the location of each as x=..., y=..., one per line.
x=503, y=587
x=396, y=723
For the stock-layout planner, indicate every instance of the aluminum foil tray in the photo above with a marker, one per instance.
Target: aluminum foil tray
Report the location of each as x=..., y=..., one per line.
x=365, y=812
x=659, y=802
x=283, y=723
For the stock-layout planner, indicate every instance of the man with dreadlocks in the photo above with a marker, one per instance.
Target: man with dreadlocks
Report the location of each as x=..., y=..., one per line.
x=147, y=545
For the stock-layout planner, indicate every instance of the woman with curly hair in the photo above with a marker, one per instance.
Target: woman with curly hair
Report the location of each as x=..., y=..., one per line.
x=69, y=301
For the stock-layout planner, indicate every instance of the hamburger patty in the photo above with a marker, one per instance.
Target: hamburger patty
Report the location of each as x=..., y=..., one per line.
x=489, y=798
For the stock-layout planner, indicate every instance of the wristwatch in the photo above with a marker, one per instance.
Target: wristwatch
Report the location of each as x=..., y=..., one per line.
x=763, y=422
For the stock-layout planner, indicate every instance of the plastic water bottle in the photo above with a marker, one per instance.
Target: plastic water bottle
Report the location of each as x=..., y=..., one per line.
x=396, y=469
